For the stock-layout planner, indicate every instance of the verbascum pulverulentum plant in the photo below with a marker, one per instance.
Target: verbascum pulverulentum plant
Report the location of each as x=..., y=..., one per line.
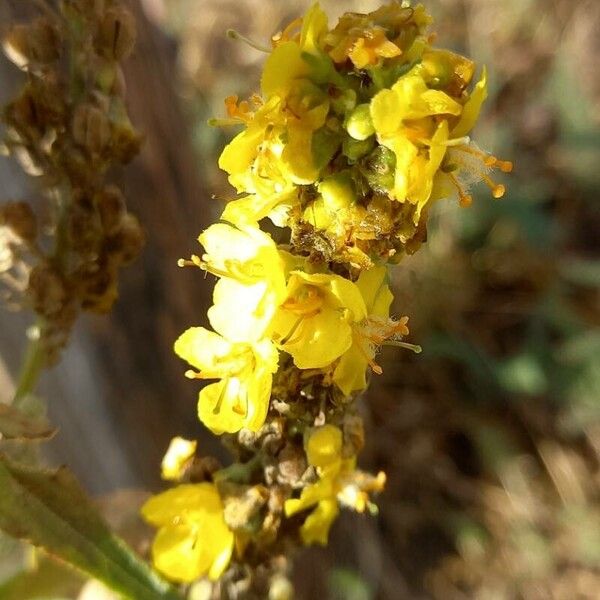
x=357, y=132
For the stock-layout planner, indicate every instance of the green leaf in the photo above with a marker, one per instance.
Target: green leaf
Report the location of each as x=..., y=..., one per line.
x=349, y=585
x=17, y=425
x=51, y=511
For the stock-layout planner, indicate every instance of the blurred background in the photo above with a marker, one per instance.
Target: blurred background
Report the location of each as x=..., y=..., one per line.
x=491, y=437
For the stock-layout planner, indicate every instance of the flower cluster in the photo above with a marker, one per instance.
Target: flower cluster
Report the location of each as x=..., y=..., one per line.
x=358, y=130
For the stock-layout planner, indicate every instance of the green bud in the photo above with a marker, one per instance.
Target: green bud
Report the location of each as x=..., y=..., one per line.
x=359, y=124
x=379, y=169
x=356, y=149
x=337, y=192
x=344, y=103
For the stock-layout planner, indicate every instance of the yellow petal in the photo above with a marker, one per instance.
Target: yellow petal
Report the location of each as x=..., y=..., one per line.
x=191, y=501
x=350, y=372
x=405, y=152
x=315, y=529
x=297, y=155
x=321, y=339
x=386, y=112
x=201, y=348
x=284, y=65
x=324, y=446
x=375, y=291
x=240, y=153
x=252, y=305
x=472, y=108
x=322, y=490
x=177, y=555
x=314, y=25
x=176, y=458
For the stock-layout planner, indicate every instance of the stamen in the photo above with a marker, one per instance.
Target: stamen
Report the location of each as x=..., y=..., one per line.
x=506, y=166
x=214, y=122
x=498, y=189
x=370, y=360
x=286, y=34
x=194, y=261
x=489, y=160
x=305, y=307
x=463, y=198
x=239, y=409
x=292, y=331
x=217, y=408
x=414, y=347
x=235, y=35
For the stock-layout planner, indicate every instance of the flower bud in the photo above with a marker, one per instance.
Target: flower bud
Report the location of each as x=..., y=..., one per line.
x=291, y=464
x=359, y=124
x=47, y=290
x=98, y=291
x=83, y=226
x=91, y=128
x=20, y=218
x=117, y=34
x=110, y=204
x=38, y=42
x=129, y=241
x=337, y=192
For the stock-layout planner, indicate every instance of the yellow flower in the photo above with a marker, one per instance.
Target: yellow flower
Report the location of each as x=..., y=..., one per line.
x=339, y=483
x=287, y=62
x=377, y=328
x=193, y=539
x=313, y=324
x=387, y=33
x=403, y=119
x=241, y=398
x=252, y=281
x=177, y=458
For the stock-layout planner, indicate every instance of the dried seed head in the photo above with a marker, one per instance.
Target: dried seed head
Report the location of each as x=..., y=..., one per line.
x=242, y=504
x=47, y=290
x=291, y=464
x=84, y=228
x=91, y=128
x=20, y=218
x=129, y=240
x=37, y=42
x=116, y=34
x=110, y=204
x=98, y=291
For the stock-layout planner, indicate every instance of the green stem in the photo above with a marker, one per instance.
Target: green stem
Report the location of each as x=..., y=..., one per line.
x=239, y=472
x=31, y=369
